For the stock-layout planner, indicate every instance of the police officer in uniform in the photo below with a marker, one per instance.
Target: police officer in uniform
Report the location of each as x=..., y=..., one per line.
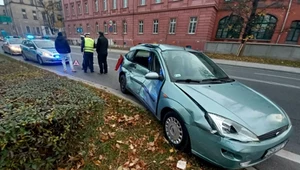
x=87, y=47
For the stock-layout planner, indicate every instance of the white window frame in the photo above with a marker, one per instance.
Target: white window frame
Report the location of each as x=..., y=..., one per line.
x=172, y=26
x=142, y=2
x=97, y=26
x=125, y=3
x=86, y=7
x=79, y=7
x=114, y=25
x=157, y=1
x=104, y=5
x=105, y=27
x=193, y=25
x=141, y=27
x=114, y=4
x=155, y=26
x=97, y=5
x=124, y=27
x=73, y=9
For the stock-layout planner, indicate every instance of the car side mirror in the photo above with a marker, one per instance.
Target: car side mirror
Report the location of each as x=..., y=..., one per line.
x=152, y=76
x=32, y=48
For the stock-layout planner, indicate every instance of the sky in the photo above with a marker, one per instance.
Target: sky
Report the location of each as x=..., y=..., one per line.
x=1, y=2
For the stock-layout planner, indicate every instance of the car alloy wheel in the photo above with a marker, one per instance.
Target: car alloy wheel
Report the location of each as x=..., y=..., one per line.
x=123, y=84
x=40, y=60
x=176, y=132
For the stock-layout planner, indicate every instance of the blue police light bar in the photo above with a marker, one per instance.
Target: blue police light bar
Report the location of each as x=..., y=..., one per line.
x=30, y=36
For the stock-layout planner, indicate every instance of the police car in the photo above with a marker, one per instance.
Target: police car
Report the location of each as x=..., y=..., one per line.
x=40, y=50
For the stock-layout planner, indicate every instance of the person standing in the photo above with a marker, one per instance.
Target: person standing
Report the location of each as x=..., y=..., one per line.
x=101, y=48
x=87, y=47
x=82, y=41
x=63, y=48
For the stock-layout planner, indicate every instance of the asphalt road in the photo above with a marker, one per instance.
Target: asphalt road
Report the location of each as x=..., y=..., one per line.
x=281, y=87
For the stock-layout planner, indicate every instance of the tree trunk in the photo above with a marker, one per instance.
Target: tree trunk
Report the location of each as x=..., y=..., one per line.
x=248, y=27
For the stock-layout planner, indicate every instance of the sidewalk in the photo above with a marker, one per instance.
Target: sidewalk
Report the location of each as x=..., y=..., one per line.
x=236, y=63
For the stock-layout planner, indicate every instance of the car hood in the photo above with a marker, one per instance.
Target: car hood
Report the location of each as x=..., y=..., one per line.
x=51, y=50
x=16, y=45
x=239, y=103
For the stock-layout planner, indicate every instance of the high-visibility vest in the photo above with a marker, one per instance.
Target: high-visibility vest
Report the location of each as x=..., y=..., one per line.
x=89, y=45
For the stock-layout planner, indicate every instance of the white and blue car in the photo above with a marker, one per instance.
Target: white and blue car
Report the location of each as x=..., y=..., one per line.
x=40, y=50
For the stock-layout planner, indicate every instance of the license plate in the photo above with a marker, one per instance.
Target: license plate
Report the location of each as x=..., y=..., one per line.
x=274, y=150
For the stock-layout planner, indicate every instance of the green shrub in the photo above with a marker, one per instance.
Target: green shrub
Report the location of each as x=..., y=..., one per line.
x=41, y=118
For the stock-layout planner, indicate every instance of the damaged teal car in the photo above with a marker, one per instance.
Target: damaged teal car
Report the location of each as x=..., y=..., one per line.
x=202, y=109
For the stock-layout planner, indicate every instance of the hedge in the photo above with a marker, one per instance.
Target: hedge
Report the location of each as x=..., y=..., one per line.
x=42, y=116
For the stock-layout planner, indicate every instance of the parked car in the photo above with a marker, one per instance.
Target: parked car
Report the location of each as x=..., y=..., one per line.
x=12, y=46
x=202, y=109
x=40, y=50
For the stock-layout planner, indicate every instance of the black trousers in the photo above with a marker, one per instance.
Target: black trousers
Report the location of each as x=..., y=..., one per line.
x=102, y=61
x=88, y=61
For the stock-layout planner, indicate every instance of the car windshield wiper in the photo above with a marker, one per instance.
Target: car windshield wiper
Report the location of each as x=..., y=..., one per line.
x=217, y=80
x=188, y=81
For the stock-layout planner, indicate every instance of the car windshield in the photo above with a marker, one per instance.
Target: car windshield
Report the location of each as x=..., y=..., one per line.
x=44, y=44
x=191, y=66
x=15, y=41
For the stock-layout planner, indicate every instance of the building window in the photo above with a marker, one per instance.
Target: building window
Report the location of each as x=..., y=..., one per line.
x=141, y=27
x=75, y=29
x=157, y=1
x=73, y=9
x=105, y=27
x=96, y=5
x=28, y=29
x=44, y=16
x=172, y=29
x=124, y=27
x=69, y=29
x=47, y=30
x=104, y=5
x=88, y=28
x=230, y=27
x=264, y=27
x=34, y=15
x=38, y=30
x=125, y=3
x=114, y=4
x=114, y=27
x=79, y=8
x=294, y=32
x=86, y=6
x=31, y=2
x=67, y=11
x=4, y=12
x=97, y=27
x=155, y=26
x=142, y=2
x=192, y=25
x=24, y=13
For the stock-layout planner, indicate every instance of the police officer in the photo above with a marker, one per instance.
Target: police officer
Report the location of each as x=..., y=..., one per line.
x=82, y=41
x=87, y=47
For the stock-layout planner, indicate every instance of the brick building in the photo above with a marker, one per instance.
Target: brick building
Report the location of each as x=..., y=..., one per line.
x=179, y=22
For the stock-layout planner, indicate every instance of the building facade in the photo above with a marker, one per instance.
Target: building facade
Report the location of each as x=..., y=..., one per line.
x=4, y=26
x=29, y=17
x=178, y=22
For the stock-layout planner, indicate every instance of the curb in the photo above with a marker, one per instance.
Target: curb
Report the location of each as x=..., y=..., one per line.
x=237, y=63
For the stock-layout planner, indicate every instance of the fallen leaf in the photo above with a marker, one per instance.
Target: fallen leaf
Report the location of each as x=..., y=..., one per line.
x=101, y=157
x=120, y=168
x=171, y=150
x=98, y=163
x=119, y=141
x=131, y=146
x=170, y=158
x=111, y=134
x=118, y=146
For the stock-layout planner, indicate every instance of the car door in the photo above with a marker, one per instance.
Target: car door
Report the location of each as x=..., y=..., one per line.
x=138, y=68
x=24, y=47
x=31, y=52
x=152, y=88
x=5, y=45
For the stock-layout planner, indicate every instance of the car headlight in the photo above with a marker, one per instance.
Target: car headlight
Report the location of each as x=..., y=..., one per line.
x=14, y=48
x=46, y=54
x=232, y=130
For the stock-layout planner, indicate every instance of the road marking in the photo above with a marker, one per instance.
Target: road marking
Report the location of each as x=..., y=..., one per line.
x=289, y=155
x=266, y=82
x=270, y=75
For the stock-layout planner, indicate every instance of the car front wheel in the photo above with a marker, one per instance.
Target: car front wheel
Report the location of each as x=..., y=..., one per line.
x=40, y=60
x=176, y=132
x=123, y=84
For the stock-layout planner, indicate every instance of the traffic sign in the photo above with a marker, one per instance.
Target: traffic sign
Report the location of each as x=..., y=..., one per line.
x=79, y=30
x=4, y=18
x=76, y=63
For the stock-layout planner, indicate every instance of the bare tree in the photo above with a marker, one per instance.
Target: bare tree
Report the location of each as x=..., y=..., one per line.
x=248, y=12
x=51, y=8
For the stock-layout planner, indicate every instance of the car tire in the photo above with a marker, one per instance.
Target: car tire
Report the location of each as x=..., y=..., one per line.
x=24, y=57
x=39, y=59
x=123, y=84
x=175, y=132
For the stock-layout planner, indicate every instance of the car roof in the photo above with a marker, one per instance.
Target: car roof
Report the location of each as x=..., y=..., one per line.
x=162, y=47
